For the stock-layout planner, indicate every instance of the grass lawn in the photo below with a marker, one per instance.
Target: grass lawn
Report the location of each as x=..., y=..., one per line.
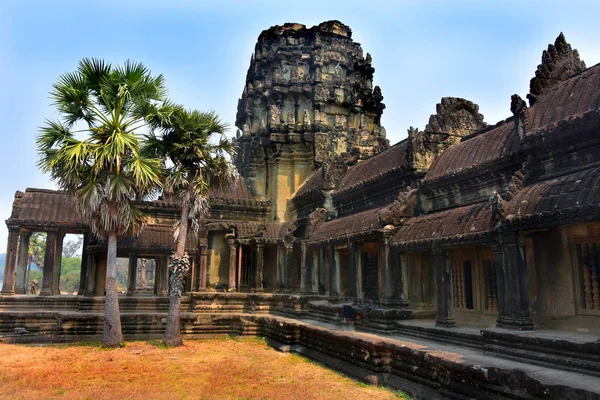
x=206, y=369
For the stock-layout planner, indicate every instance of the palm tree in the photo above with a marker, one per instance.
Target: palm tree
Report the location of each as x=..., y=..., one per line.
x=195, y=144
x=105, y=171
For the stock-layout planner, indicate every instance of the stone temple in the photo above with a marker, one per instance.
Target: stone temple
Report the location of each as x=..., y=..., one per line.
x=460, y=262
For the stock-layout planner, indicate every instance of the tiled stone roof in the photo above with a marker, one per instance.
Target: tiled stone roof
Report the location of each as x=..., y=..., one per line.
x=388, y=161
x=44, y=209
x=458, y=224
x=575, y=196
x=362, y=222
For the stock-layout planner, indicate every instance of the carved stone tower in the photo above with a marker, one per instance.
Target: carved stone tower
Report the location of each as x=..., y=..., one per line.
x=308, y=97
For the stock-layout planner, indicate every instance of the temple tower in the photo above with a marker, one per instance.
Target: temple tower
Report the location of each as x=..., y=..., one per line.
x=308, y=98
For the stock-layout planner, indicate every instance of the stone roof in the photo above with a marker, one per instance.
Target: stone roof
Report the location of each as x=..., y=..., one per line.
x=40, y=208
x=359, y=223
x=561, y=102
x=312, y=186
x=568, y=198
x=236, y=193
x=466, y=223
x=480, y=150
x=374, y=168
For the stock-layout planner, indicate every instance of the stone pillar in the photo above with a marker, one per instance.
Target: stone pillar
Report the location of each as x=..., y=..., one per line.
x=445, y=296
x=8, y=283
x=232, y=263
x=334, y=289
x=101, y=269
x=402, y=276
x=260, y=250
x=203, y=264
x=84, y=264
x=355, y=270
x=303, y=267
x=132, y=275
x=90, y=276
x=289, y=267
x=60, y=237
x=161, y=277
x=21, y=279
x=49, y=259
x=390, y=294
x=514, y=308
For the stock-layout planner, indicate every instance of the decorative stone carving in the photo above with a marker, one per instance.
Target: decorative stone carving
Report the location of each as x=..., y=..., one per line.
x=340, y=121
x=306, y=119
x=519, y=109
x=456, y=117
x=402, y=208
x=275, y=115
x=559, y=62
x=316, y=219
x=497, y=205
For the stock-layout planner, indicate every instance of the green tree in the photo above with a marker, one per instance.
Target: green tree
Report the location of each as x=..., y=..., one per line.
x=199, y=154
x=69, y=274
x=105, y=172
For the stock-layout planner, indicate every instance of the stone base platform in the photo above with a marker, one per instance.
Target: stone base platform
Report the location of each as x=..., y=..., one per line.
x=412, y=355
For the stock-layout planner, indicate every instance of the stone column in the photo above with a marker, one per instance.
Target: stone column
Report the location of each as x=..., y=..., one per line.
x=49, y=259
x=514, y=308
x=21, y=279
x=90, y=275
x=84, y=264
x=355, y=270
x=8, y=283
x=260, y=249
x=232, y=263
x=132, y=274
x=60, y=237
x=303, y=267
x=289, y=267
x=402, y=276
x=203, y=263
x=334, y=290
x=389, y=285
x=445, y=296
x=161, y=277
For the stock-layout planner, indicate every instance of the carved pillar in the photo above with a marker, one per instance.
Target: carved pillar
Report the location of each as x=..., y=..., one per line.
x=90, y=280
x=260, y=250
x=289, y=266
x=21, y=279
x=514, y=308
x=402, y=265
x=49, y=259
x=232, y=263
x=60, y=237
x=8, y=283
x=445, y=297
x=203, y=263
x=132, y=274
x=84, y=264
x=334, y=289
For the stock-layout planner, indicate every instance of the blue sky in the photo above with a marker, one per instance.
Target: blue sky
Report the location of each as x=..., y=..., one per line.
x=422, y=50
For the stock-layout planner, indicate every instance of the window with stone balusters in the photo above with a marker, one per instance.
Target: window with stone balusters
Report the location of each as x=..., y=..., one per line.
x=588, y=264
x=474, y=284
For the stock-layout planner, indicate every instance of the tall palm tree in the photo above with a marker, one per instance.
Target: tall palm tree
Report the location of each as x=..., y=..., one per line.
x=105, y=171
x=199, y=153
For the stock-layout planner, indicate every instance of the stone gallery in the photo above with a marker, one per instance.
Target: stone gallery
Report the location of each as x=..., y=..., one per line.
x=461, y=262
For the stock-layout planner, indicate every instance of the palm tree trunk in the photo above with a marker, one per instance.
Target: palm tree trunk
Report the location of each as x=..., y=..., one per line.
x=112, y=335
x=183, y=229
x=173, y=331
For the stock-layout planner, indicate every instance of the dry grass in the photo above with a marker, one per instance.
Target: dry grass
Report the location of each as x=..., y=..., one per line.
x=208, y=369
